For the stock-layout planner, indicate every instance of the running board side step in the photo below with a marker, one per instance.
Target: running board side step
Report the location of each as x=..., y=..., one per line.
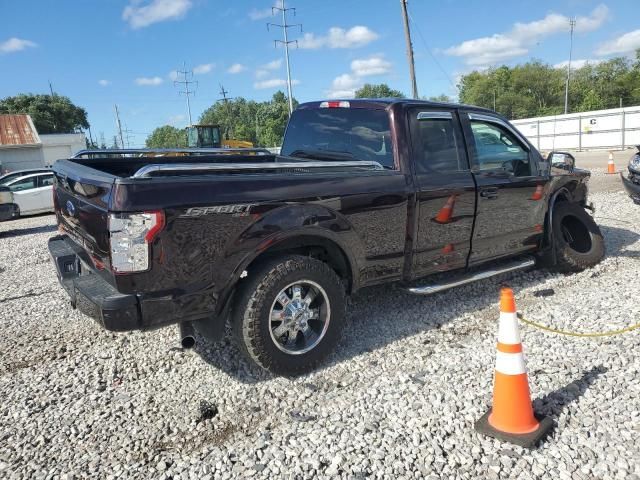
x=473, y=277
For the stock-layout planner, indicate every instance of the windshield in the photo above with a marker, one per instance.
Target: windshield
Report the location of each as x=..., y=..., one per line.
x=347, y=133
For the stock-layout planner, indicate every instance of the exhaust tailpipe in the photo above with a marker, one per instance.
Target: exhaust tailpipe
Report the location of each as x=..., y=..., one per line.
x=187, y=335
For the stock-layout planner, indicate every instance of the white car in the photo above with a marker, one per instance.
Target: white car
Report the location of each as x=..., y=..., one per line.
x=31, y=194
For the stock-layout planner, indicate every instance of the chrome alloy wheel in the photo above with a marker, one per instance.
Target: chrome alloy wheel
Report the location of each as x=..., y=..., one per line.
x=299, y=317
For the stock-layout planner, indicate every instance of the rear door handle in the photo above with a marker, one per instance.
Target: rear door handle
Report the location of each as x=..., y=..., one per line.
x=489, y=193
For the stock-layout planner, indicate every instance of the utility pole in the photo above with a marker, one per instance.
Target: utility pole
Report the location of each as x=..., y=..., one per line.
x=128, y=137
x=407, y=34
x=186, y=75
x=225, y=100
x=572, y=24
x=51, y=89
x=286, y=43
x=119, y=125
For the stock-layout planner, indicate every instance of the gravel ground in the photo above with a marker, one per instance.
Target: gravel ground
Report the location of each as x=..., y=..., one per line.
x=398, y=400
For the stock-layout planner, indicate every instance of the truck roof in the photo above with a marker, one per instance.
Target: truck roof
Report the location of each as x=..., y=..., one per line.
x=383, y=103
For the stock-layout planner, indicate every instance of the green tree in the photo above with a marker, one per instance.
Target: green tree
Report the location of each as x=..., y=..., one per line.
x=50, y=113
x=537, y=89
x=262, y=123
x=167, y=137
x=442, y=98
x=380, y=90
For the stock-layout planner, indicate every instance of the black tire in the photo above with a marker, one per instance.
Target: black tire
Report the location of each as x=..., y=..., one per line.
x=254, y=303
x=577, y=239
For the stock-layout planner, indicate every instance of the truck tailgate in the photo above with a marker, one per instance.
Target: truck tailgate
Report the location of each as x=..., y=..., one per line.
x=81, y=198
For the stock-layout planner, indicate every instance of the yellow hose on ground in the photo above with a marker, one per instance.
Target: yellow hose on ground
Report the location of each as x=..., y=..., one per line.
x=578, y=334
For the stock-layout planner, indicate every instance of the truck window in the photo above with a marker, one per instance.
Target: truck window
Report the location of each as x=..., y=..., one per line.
x=498, y=149
x=436, y=143
x=357, y=133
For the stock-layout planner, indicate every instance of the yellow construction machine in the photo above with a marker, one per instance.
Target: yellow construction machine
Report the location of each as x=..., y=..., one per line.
x=209, y=136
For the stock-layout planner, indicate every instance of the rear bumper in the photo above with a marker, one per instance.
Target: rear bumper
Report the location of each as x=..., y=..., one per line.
x=97, y=298
x=632, y=188
x=90, y=293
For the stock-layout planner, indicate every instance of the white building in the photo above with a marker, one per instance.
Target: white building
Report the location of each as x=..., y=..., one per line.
x=22, y=147
x=614, y=129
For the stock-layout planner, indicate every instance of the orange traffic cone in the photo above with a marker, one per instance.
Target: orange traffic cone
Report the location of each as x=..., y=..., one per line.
x=446, y=212
x=512, y=418
x=611, y=167
x=537, y=195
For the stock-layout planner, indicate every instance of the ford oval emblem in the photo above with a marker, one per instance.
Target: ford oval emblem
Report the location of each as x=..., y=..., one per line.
x=71, y=208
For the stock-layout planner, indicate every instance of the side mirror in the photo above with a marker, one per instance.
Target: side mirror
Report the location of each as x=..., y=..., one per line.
x=563, y=160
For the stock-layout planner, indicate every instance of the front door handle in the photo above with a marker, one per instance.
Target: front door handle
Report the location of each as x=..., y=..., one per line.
x=489, y=193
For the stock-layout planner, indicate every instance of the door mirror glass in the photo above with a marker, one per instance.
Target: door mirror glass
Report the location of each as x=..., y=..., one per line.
x=563, y=160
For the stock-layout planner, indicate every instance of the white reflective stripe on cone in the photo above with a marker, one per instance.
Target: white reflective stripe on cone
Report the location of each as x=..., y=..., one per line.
x=510, y=363
x=508, y=331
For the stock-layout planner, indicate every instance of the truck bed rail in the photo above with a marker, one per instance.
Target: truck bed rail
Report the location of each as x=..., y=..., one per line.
x=161, y=152
x=301, y=167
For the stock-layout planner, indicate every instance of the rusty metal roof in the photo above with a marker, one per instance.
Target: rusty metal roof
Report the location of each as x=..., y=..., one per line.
x=17, y=130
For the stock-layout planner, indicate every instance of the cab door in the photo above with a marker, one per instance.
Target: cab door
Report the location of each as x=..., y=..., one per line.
x=446, y=192
x=511, y=188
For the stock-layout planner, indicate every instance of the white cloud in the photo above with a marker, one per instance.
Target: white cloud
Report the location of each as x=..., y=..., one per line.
x=104, y=83
x=264, y=70
x=148, y=81
x=626, y=43
x=579, y=63
x=337, y=37
x=177, y=120
x=173, y=75
x=273, y=83
x=345, y=85
x=259, y=14
x=516, y=42
x=236, y=68
x=375, y=65
x=204, y=68
x=14, y=44
x=140, y=15
x=273, y=65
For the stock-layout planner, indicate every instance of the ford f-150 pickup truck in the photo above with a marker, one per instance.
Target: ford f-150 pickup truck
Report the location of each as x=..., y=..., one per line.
x=363, y=192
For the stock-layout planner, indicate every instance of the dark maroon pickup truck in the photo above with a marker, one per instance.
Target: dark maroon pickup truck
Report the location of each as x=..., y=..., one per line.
x=363, y=192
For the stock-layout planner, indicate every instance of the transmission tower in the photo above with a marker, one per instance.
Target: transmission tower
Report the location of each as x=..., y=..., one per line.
x=572, y=24
x=185, y=83
x=285, y=42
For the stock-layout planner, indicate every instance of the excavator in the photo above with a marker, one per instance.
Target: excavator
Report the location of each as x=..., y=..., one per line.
x=209, y=136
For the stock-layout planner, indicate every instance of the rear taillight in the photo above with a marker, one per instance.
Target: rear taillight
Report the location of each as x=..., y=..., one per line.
x=131, y=234
x=335, y=104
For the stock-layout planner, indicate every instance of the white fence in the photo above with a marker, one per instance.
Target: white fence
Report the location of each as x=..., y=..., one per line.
x=613, y=129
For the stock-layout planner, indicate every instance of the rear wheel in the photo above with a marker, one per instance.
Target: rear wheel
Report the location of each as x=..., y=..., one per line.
x=578, y=240
x=289, y=314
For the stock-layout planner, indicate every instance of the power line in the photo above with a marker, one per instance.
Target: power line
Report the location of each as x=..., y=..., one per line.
x=407, y=34
x=426, y=46
x=572, y=24
x=186, y=75
x=285, y=42
x=127, y=135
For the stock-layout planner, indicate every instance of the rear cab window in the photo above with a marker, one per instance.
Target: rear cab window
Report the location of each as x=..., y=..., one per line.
x=340, y=134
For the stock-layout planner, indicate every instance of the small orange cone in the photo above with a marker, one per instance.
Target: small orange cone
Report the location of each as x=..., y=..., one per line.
x=537, y=195
x=446, y=212
x=611, y=167
x=512, y=418
x=448, y=248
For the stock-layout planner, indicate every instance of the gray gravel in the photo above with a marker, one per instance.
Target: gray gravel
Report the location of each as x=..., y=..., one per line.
x=398, y=400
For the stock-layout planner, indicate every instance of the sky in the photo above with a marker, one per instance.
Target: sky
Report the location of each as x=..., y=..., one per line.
x=128, y=52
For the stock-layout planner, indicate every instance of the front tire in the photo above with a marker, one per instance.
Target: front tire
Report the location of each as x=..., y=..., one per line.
x=289, y=314
x=578, y=241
